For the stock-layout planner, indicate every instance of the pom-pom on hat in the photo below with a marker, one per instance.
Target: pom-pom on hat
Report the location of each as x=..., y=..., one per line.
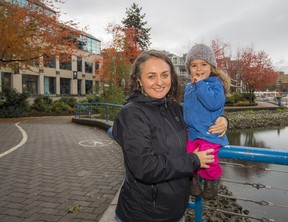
x=202, y=52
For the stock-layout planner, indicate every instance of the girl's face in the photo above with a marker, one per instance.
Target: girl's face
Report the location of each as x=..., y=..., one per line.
x=155, y=78
x=199, y=70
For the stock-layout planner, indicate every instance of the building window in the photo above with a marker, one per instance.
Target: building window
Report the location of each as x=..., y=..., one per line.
x=33, y=62
x=97, y=66
x=89, y=44
x=88, y=67
x=65, y=86
x=175, y=60
x=49, y=85
x=65, y=62
x=88, y=86
x=79, y=64
x=6, y=81
x=22, y=3
x=30, y=84
x=49, y=62
x=79, y=82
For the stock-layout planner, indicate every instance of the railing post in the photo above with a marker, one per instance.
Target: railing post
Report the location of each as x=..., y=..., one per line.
x=77, y=110
x=106, y=113
x=198, y=208
x=90, y=110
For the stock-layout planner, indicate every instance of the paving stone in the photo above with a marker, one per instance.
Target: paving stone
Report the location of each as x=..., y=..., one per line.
x=51, y=171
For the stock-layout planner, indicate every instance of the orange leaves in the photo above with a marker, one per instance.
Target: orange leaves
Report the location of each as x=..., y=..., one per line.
x=30, y=32
x=257, y=69
x=119, y=54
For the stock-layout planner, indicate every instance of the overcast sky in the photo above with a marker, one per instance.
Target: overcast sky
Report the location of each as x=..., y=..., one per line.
x=176, y=25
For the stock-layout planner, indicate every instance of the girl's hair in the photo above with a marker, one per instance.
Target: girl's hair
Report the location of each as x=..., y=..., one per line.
x=223, y=76
x=136, y=72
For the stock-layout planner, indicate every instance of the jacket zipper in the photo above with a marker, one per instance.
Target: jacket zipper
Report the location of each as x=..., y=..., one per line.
x=153, y=186
x=154, y=194
x=174, y=131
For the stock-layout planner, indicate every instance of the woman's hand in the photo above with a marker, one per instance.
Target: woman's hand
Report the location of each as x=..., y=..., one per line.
x=204, y=157
x=220, y=126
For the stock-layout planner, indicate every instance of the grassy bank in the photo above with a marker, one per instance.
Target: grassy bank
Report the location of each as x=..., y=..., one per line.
x=257, y=118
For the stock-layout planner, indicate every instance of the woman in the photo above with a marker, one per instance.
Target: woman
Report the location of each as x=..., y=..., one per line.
x=151, y=132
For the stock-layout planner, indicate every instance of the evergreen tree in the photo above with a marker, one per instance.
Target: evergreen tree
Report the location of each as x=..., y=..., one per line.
x=135, y=21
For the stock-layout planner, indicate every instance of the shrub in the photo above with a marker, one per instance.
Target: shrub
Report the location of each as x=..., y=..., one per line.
x=240, y=99
x=61, y=107
x=230, y=100
x=13, y=104
x=113, y=94
x=71, y=101
x=91, y=98
x=42, y=104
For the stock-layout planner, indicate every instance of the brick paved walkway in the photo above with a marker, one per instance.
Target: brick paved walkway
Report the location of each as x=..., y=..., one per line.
x=52, y=171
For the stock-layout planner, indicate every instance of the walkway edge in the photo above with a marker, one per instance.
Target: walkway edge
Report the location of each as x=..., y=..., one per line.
x=109, y=213
x=22, y=142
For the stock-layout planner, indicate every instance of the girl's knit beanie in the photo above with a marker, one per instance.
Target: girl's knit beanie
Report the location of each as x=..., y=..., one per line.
x=202, y=52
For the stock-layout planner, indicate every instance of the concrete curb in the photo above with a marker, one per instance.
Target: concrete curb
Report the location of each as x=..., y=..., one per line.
x=109, y=214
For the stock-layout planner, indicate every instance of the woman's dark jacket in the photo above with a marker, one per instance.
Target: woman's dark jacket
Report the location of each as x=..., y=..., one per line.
x=153, y=136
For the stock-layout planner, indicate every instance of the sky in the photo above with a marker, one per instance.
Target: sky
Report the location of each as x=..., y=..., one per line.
x=176, y=25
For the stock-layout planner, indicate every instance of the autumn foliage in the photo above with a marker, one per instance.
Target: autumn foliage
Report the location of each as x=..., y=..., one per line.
x=257, y=70
x=119, y=54
x=253, y=69
x=28, y=33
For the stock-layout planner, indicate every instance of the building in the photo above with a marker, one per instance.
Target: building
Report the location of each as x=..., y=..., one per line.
x=76, y=76
x=179, y=64
x=282, y=82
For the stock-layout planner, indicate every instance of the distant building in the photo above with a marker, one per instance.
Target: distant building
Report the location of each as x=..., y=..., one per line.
x=76, y=76
x=179, y=64
x=282, y=82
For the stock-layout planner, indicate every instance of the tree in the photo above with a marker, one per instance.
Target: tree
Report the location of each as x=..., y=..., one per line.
x=134, y=21
x=257, y=71
x=225, y=61
x=119, y=55
x=221, y=49
x=31, y=31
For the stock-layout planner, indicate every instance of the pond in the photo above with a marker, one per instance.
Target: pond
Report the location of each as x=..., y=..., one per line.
x=272, y=175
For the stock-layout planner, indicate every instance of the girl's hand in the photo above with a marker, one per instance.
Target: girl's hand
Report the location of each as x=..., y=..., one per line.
x=204, y=157
x=197, y=77
x=220, y=126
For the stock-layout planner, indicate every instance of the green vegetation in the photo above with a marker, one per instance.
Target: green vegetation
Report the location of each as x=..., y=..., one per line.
x=257, y=118
x=240, y=99
x=13, y=104
x=111, y=94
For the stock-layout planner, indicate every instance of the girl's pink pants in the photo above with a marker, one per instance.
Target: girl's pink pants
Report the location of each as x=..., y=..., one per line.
x=215, y=170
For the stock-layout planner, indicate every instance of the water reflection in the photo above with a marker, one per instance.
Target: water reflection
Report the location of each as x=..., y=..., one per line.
x=265, y=138
x=245, y=138
x=272, y=138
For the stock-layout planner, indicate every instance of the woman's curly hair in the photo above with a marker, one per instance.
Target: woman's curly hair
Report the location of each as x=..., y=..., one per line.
x=136, y=71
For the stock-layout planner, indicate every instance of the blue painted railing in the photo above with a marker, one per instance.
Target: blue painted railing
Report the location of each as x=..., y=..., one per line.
x=86, y=109
x=250, y=154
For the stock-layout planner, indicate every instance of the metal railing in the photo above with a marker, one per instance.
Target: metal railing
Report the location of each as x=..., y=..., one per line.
x=242, y=153
x=90, y=110
x=249, y=154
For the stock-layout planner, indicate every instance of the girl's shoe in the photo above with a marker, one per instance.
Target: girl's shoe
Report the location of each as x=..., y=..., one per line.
x=210, y=189
x=195, y=188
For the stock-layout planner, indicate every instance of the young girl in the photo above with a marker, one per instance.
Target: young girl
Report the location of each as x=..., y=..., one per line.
x=204, y=100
